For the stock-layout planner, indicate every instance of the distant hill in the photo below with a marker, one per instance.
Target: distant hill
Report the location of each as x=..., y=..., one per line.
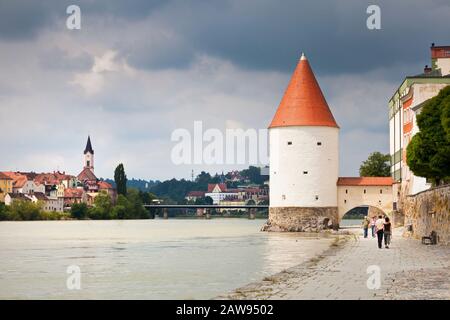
x=139, y=184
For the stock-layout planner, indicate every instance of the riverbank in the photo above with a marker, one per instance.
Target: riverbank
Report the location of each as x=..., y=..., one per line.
x=408, y=270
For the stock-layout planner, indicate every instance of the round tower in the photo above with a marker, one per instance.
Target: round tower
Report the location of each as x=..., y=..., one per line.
x=304, y=157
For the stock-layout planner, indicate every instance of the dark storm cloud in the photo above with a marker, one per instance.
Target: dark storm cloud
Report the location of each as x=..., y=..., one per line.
x=271, y=34
x=256, y=34
x=23, y=19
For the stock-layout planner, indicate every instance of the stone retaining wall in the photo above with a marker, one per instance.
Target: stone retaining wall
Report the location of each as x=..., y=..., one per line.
x=302, y=219
x=429, y=211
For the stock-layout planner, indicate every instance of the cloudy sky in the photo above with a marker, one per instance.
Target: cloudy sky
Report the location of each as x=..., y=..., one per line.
x=139, y=69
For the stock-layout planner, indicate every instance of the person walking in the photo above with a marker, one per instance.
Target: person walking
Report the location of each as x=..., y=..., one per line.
x=379, y=225
x=387, y=232
x=372, y=226
x=366, y=223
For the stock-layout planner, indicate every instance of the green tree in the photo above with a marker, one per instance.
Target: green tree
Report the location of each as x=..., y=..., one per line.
x=208, y=200
x=253, y=174
x=376, y=165
x=119, y=212
x=102, y=207
x=146, y=197
x=79, y=210
x=25, y=210
x=428, y=153
x=136, y=209
x=3, y=212
x=121, y=179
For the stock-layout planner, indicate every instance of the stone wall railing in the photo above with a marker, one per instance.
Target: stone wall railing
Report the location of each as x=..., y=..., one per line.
x=428, y=211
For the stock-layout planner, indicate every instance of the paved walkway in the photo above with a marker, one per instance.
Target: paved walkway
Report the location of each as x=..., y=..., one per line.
x=408, y=270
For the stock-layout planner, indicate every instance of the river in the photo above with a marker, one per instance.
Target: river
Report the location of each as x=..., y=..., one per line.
x=144, y=259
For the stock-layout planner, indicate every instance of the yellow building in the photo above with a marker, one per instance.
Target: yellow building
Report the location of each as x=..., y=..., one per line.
x=6, y=185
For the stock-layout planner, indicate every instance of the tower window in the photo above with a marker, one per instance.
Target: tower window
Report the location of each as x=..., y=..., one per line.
x=289, y=143
x=364, y=190
x=305, y=172
x=319, y=143
x=88, y=163
x=381, y=191
x=346, y=190
x=345, y=201
x=317, y=197
x=283, y=197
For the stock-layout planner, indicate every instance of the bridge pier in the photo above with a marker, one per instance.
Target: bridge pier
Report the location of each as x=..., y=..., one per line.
x=252, y=214
x=208, y=214
x=165, y=214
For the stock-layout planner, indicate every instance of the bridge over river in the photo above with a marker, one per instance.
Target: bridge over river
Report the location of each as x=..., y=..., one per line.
x=251, y=209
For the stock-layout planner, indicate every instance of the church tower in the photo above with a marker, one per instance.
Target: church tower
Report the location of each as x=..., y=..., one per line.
x=304, y=157
x=89, y=155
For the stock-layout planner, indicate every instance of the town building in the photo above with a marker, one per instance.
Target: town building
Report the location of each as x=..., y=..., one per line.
x=22, y=183
x=57, y=190
x=218, y=192
x=192, y=196
x=305, y=193
x=11, y=197
x=374, y=192
x=404, y=106
x=73, y=195
x=6, y=186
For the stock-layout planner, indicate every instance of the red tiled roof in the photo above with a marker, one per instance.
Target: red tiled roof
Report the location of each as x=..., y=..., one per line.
x=104, y=185
x=46, y=178
x=73, y=193
x=303, y=103
x=86, y=174
x=4, y=176
x=222, y=187
x=19, y=179
x=365, y=181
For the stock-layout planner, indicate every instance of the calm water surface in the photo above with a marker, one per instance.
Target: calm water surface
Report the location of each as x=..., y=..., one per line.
x=143, y=259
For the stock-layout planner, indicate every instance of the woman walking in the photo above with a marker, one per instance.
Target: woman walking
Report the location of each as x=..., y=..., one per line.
x=379, y=224
x=387, y=233
x=372, y=226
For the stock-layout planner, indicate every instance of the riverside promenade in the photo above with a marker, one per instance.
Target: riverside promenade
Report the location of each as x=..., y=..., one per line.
x=408, y=270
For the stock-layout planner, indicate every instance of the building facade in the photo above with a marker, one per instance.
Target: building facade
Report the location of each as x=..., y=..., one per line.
x=404, y=106
x=6, y=186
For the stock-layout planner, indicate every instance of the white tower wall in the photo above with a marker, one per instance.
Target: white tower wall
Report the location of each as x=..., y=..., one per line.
x=303, y=173
x=89, y=161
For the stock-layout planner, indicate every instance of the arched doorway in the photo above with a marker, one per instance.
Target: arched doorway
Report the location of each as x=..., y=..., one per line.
x=354, y=217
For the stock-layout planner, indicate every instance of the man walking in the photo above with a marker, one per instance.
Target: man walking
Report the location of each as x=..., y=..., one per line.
x=379, y=225
x=366, y=226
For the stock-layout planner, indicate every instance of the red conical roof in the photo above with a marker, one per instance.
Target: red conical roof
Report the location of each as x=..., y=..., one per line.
x=303, y=103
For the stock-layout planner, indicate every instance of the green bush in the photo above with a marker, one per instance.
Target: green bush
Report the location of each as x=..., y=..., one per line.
x=118, y=212
x=3, y=212
x=79, y=210
x=25, y=210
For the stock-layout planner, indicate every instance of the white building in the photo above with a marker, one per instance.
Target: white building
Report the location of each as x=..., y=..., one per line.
x=404, y=106
x=218, y=192
x=304, y=163
x=304, y=153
